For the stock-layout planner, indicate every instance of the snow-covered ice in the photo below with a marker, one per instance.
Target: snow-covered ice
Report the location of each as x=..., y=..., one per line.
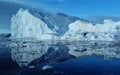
x=79, y=30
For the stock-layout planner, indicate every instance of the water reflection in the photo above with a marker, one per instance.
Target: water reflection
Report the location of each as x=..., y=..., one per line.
x=32, y=53
x=27, y=52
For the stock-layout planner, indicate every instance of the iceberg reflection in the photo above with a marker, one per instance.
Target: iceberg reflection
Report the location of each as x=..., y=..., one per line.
x=32, y=53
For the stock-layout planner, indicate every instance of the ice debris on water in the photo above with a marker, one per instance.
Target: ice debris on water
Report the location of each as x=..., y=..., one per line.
x=47, y=67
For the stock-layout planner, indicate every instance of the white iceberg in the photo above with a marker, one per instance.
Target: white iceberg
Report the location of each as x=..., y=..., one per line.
x=25, y=25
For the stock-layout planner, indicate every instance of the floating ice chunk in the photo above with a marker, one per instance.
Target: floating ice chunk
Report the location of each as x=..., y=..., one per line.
x=46, y=67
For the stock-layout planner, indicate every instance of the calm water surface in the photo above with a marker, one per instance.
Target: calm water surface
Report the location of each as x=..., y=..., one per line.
x=83, y=65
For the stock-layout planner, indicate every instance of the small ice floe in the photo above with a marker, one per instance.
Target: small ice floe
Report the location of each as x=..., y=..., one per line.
x=46, y=67
x=31, y=67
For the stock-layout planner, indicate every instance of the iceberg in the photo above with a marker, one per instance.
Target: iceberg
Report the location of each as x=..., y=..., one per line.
x=79, y=30
x=40, y=25
x=25, y=25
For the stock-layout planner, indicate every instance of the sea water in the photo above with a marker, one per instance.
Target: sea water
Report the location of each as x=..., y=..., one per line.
x=60, y=58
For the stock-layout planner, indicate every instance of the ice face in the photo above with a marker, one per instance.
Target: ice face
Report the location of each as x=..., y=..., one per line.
x=25, y=25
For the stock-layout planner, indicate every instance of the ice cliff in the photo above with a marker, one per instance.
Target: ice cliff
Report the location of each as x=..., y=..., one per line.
x=25, y=25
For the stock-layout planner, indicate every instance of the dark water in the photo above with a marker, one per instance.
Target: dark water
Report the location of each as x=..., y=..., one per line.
x=80, y=66
x=84, y=65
